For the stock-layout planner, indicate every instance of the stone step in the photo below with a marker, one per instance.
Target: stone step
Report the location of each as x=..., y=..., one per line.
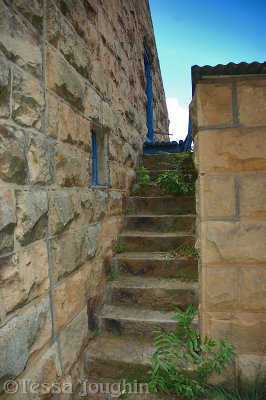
x=121, y=320
x=154, y=241
x=116, y=356
x=160, y=223
x=154, y=161
x=156, y=265
x=152, y=293
x=158, y=205
x=154, y=175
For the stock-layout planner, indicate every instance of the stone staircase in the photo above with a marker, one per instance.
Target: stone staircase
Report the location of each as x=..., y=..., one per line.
x=148, y=283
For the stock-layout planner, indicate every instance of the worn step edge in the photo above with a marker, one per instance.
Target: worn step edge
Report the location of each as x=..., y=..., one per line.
x=127, y=320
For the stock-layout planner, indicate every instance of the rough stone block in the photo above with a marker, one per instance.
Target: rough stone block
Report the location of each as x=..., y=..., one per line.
x=101, y=81
x=108, y=117
x=4, y=88
x=17, y=337
x=32, y=12
x=61, y=211
x=74, y=338
x=74, y=129
x=13, y=164
x=7, y=222
x=119, y=176
x=253, y=195
x=84, y=207
x=214, y=104
x=246, y=330
x=252, y=366
x=71, y=167
x=60, y=34
x=92, y=104
x=220, y=288
x=18, y=42
x=24, y=276
x=32, y=215
x=63, y=80
x=73, y=250
x=60, y=307
x=77, y=287
x=232, y=150
x=40, y=161
x=115, y=206
x=254, y=288
x=114, y=149
x=129, y=155
x=109, y=234
x=51, y=115
x=217, y=196
x=233, y=242
x=28, y=101
x=46, y=370
x=100, y=204
x=251, y=100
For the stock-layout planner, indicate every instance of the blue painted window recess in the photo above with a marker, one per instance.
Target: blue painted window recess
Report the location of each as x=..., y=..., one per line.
x=95, y=181
x=149, y=96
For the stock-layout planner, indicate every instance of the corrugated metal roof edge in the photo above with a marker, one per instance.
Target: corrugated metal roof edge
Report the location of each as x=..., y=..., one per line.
x=231, y=68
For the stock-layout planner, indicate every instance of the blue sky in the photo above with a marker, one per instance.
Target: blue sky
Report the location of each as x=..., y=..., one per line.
x=204, y=32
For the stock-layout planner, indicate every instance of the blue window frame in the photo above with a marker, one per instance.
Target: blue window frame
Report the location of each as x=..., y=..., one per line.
x=149, y=96
x=94, y=159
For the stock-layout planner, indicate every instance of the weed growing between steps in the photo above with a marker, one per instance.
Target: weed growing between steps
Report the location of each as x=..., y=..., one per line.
x=243, y=390
x=174, y=180
x=186, y=249
x=141, y=186
x=120, y=248
x=182, y=363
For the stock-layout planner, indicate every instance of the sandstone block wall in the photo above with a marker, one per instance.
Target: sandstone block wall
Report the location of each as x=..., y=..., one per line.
x=66, y=66
x=229, y=114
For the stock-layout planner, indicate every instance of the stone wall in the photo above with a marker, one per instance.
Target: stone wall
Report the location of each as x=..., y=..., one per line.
x=229, y=114
x=66, y=66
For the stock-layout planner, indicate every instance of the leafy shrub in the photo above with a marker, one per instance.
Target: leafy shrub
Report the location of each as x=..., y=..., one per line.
x=175, y=184
x=142, y=182
x=174, y=180
x=178, y=354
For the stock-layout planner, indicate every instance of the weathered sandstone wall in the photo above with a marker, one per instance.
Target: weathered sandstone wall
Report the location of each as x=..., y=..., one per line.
x=66, y=66
x=230, y=155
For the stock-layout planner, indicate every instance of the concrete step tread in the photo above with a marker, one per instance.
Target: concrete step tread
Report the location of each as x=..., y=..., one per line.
x=157, y=234
x=126, y=349
x=150, y=282
x=151, y=256
x=160, y=216
x=161, y=197
x=135, y=314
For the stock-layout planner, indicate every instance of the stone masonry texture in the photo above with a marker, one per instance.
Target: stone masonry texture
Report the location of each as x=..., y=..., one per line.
x=67, y=67
x=230, y=155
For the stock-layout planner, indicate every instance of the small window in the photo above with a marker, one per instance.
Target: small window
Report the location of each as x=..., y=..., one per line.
x=99, y=159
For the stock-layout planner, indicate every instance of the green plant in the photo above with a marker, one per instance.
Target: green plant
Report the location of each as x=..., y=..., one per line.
x=112, y=275
x=193, y=229
x=120, y=248
x=242, y=390
x=185, y=249
x=174, y=183
x=179, y=211
x=142, y=182
x=170, y=228
x=179, y=353
x=185, y=278
x=175, y=161
x=174, y=180
x=97, y=332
